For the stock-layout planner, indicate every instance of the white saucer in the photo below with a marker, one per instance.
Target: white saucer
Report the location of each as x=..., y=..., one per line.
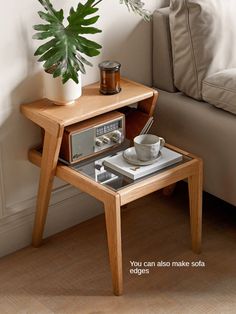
x=130, y=156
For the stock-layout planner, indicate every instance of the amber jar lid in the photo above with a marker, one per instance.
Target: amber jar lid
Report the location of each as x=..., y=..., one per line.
x=109, y=65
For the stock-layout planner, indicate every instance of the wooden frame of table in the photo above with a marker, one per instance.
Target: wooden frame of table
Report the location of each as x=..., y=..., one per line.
x=53, y=120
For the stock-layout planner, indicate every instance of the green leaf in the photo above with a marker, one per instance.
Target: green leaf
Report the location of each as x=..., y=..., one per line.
x=58, y=71
x=62, y=55
x=89, y=43
x=43, y=48
x=48, y=54
x=89, y=51
x=90, y=21
x=42, y=27
x=53, y=59
x=59, y=15
x=47, y=17
x=83, y=60
x=43, y=35
x=137, y=6
x=87, y=30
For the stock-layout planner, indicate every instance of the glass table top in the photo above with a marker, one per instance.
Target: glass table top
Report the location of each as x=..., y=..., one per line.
x=95, y=169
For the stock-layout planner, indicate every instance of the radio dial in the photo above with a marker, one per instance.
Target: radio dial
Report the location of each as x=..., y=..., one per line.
x=116, y=136
x=98, y=142
x=106, y=140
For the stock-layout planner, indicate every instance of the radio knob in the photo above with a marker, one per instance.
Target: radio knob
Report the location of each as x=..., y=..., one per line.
x=98, y=142
x=106, y=140
x=116, y=136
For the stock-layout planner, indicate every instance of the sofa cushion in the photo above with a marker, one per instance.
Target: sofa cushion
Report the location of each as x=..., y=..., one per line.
x=203, y=34
x=162, y=53
x=219, y=90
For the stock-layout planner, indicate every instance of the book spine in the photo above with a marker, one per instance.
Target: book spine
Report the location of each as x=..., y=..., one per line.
x=158, y=167
x=118, y=170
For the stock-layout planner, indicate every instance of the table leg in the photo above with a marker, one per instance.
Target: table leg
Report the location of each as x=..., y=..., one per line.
x=148, y=105
x=51, y=148
x=113, y=227
x=195, y=201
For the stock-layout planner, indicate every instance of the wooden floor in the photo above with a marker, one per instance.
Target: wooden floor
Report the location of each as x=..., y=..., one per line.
x=70, y=272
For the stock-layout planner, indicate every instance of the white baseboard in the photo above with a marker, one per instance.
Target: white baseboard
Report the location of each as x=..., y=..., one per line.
x=61, y=215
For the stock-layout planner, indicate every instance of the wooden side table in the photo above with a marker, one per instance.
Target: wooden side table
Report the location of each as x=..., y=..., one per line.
x=53, y=119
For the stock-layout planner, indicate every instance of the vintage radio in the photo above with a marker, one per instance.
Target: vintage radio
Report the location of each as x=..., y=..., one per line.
x=96, y=135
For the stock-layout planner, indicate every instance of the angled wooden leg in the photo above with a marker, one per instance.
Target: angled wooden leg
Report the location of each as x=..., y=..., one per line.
x=148, y=105
x=51, y=148
x=195, y=201
x=113, y=226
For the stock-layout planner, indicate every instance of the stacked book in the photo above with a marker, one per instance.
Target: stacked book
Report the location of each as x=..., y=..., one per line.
x=118, y=164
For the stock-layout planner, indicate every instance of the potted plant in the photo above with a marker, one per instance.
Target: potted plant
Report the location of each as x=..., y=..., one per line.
x=65, y=48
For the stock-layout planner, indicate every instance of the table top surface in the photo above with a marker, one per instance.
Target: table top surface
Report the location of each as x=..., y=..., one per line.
x=90, y=104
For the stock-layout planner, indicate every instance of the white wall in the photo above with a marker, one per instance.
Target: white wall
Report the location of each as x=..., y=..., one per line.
x=125, y=38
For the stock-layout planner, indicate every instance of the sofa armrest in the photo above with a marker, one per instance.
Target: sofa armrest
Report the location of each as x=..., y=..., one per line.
x=162, y=51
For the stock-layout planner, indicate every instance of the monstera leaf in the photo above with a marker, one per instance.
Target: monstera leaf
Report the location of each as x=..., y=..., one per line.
x=62, y=54
x=137, y=6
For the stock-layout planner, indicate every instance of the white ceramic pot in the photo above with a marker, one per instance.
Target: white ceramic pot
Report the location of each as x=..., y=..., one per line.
x=61, y=94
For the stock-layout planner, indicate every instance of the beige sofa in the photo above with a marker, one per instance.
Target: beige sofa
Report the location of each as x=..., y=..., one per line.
x=194, y=69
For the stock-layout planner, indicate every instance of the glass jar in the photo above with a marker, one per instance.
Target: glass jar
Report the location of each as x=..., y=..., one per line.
x=110, y=77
